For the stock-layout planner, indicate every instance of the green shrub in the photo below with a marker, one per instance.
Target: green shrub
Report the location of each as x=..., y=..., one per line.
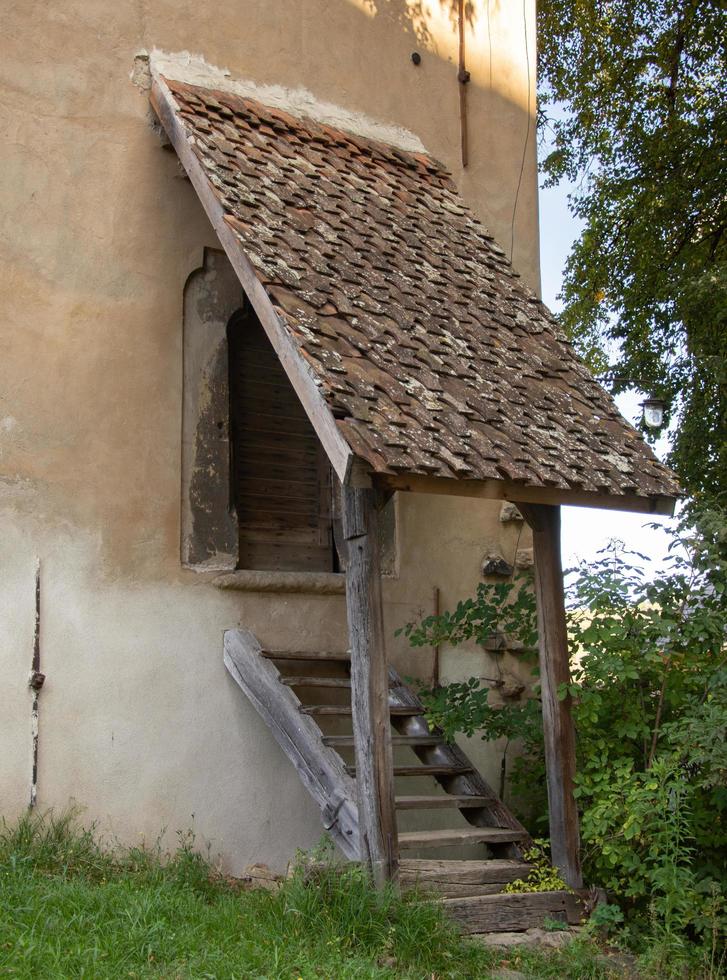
x=649, y=695
x=542, y=876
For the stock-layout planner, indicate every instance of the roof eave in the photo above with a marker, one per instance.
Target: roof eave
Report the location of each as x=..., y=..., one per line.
x=300, y=375
x=658, y=505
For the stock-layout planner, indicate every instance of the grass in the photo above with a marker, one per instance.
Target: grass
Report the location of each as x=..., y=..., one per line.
x=70, y=907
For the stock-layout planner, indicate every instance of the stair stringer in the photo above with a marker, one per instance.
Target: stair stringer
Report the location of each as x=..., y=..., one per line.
x=321, y=770
x=494, y=813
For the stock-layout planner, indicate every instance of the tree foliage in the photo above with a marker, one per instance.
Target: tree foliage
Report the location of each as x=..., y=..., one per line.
x=633, y=110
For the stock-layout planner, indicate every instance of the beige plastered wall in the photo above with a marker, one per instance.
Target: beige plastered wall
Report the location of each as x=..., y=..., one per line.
x=139, y=722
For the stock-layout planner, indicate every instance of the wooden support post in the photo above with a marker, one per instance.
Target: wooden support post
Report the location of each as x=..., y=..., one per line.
x=559, y=734
x=369, y=685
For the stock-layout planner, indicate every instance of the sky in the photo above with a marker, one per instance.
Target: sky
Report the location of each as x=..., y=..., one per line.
x=586, y=530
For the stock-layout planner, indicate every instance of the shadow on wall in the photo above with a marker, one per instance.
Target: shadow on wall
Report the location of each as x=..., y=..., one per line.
x=493, y=46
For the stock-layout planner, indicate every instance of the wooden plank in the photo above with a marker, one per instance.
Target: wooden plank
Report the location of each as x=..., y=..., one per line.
x=345, y=709
x=299, y=509
x=517, y=492
x=439, y=802
x=369, y=684
x=272, y=450
x=278, y=486
x=260, y=371
x=298, y=371
x=439, y=871
x=325, y=517
x=309, y=681
x=348, y=740
x=280, y=424
x=458, y=879
x=558, y=731
x=282, y=558
x=306, y=655
x=321, y=769
x=511, y=913
x=451, y=889
x=447, y=889
x=493, y=813
x=288, y=536
x=461, y=835
x=423, y=770
x=269, y=400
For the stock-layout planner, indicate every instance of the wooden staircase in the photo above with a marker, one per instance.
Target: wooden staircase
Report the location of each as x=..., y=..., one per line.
x=304, y=699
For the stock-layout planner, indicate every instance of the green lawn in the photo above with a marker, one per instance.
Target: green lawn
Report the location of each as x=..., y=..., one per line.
x=70, y=908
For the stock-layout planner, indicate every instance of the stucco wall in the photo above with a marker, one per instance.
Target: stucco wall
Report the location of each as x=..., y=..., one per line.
x=98, y=234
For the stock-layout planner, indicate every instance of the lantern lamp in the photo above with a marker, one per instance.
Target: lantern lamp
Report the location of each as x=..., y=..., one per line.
x=653, y=409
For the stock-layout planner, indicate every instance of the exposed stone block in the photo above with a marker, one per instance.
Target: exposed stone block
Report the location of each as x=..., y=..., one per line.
x=509, y=512
x=495, y=564
x=524, y=559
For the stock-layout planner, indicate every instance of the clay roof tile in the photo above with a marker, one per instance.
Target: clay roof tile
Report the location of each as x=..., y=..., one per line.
x=433, y=356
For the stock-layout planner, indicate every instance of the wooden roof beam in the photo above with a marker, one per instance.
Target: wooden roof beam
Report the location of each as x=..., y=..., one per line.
x=520, y=493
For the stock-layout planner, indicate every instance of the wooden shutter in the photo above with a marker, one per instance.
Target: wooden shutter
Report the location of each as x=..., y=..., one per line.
x=281, y=477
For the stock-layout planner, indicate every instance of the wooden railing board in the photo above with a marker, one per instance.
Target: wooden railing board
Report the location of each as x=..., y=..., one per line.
x=320, y=768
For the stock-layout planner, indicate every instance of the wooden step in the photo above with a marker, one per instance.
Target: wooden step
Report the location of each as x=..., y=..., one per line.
x=440, y=802
x=316, y=681
x=422, y=770
x=345, y=709
x=513, y=913
x=348, y=741
x=306, y=655
x=463, y=835
x=460, y=879
x=470, y=783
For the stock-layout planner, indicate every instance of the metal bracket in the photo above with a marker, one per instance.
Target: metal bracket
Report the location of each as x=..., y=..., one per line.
x=329, y=813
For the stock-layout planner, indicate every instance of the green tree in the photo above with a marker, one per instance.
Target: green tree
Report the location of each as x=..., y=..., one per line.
x=641, y=130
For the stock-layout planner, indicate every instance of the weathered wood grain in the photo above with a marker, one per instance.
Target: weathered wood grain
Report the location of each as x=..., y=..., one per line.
x=512, y=913
x=516, y=492
x=448, y=889
x=369, y=684
x=558, y=731
x=310, y=681
x=321, y=770
x=467, y=781
x=306, y=655
x=345, y=709
x=443, y=802
x=460, y=879
x=348, y=740
x=436, y=769
x=460, y=835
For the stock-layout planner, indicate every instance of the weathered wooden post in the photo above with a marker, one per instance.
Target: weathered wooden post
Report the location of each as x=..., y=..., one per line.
x=559, y=734
x=369, y=685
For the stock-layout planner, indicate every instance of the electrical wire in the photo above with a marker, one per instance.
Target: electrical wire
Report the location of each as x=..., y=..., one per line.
x=527, y=135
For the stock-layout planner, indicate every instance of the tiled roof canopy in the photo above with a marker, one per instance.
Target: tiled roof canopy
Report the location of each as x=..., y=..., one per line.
x=430, y=353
